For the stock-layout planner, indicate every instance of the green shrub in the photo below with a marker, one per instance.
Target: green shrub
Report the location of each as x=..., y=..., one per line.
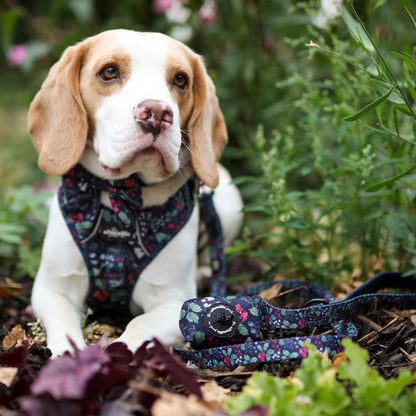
x=23, y=218
x=337, y=194
x=317, y=388
x=339, y=173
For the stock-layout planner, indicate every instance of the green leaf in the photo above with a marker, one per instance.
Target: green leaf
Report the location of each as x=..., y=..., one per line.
x=242, y=329
x=35, y=50
x=82, y=9
x=318, y=389
x=11, y=233
x=369, y=107
x=357, y=31
x=396, y=224
x=192, y=317
x=195, y=307
x=411, y=17
x=8, y=20
x=387, y=182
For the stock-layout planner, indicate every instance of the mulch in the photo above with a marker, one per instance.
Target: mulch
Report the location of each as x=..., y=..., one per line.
x=388, y=335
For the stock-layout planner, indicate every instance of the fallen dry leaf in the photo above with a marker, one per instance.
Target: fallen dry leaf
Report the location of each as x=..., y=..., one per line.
x=338, y=360
x=213, y=393
x=413, y=317
x=8, y=290
x=176, y=405
x=13, y=337
x=7, y=374
x=271, y=293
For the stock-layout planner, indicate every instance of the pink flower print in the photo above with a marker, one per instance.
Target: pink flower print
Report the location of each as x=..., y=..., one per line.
x=303, y=352
x=239, y=308
x=129, y=182
x=244, y=316
x=276, y=347
x=101, y=295
x=17, y=55
x=261, y=356
x=76, y=217
x=115, y=204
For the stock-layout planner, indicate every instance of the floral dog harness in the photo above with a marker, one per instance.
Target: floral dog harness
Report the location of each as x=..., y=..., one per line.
x=117, y=243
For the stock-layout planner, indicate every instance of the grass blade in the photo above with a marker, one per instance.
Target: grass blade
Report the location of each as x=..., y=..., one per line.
x=369, y=107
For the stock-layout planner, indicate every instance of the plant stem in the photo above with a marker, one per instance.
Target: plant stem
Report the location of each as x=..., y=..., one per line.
x=389, y=72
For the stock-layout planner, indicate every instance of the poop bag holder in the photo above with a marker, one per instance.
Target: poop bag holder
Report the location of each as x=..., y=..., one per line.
x=218, y=321
x=232, y=330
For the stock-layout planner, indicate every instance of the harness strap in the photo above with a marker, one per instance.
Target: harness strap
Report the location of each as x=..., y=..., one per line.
x=209, y=215
x=231, y=330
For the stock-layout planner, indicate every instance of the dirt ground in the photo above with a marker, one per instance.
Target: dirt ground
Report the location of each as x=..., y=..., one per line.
x=388, y=335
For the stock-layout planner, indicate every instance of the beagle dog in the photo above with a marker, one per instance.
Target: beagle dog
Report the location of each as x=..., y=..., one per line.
x=137, y=111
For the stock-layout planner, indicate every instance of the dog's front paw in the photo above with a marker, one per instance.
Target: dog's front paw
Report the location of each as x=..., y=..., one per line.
x=64, y=344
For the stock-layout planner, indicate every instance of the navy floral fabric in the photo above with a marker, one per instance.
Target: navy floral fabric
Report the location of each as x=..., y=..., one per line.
x=197, y=330
x=117, y=243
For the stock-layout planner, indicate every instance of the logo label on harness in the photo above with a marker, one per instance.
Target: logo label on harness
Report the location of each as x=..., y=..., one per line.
x=113, y=231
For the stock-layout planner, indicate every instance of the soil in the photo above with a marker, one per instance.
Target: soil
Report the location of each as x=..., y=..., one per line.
x=388, y=335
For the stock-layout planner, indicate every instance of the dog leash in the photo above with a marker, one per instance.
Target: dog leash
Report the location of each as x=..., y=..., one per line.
x=232, y=330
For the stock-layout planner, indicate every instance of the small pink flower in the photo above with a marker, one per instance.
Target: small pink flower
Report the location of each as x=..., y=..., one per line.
x=238, y=308
x=244, y=316
x=17, y=55
x=162, y=6
x=208, y=12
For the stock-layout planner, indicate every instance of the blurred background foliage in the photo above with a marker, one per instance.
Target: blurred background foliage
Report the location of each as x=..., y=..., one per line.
x=326, y=198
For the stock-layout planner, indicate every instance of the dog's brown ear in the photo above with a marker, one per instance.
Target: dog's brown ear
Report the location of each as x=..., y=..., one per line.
x=57, y=118
x=207, y=129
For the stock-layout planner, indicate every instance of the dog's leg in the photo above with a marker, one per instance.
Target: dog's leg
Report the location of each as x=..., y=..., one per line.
x=163, y=287
x=161, y=323
x=229, y=206
x=61, y=285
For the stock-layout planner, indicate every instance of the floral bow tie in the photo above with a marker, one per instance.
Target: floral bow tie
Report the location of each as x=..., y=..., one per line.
x=80, y=193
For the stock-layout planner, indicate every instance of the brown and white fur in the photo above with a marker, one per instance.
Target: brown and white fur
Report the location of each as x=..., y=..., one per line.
x=119, y=103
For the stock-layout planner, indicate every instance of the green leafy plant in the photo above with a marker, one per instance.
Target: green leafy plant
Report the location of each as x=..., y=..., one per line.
x=339, y=173
x=23, y=218
x=318, y=388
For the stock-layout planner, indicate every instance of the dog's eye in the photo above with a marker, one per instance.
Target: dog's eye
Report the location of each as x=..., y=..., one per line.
x=180, y=81
x=109, y=73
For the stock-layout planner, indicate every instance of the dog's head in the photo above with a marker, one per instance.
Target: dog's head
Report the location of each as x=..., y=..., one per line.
x=138, y=102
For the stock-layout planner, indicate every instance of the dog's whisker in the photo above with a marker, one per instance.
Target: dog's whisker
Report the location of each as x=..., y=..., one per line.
x=187, y=147
x=186, y=143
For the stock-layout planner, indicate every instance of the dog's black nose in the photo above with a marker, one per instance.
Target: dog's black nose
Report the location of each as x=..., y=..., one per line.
x=153, y=116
